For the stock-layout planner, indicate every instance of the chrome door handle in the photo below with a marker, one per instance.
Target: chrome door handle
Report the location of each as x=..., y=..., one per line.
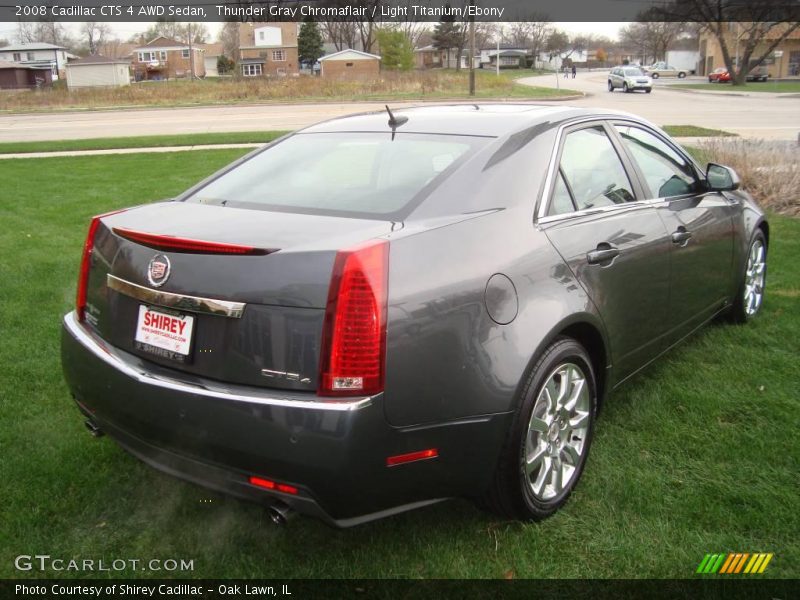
x=603, y=254
x=681, y=236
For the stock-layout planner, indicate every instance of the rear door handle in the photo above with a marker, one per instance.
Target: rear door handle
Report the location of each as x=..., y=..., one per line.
x=681, y=236
x=603, y=254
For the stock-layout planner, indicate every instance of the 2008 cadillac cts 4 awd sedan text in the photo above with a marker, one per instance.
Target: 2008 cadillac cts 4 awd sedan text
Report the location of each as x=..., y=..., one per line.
x=367, y=317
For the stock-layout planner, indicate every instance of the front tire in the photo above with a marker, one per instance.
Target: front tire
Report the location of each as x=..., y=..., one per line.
x=681, y=75
x=625, y=88
x=545, y=453
x=648, y=90
x=610, y=86
x=750, y=296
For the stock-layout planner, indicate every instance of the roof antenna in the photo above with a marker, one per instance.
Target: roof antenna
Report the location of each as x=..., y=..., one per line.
x=395, y=122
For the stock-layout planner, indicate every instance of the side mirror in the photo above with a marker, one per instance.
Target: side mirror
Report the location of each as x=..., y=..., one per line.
x=721, y=178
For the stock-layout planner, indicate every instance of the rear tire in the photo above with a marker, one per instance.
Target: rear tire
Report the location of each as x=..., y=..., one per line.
x=750, y=296
x=546, y=449
x=681, y=75
x=654, y=76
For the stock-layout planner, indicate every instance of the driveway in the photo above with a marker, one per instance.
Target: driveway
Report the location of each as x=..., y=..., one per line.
x=754, y=114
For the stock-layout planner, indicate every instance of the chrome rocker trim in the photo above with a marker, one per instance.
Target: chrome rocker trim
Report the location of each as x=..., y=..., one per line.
x=268, y=398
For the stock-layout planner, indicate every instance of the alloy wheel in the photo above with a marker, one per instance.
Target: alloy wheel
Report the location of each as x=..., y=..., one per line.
x=754, y=278
x=558, y=431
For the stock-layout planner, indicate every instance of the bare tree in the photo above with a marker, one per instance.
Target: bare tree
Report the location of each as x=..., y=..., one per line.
x=49, y=32
x=229, y=38
x=756, y=27
x=342, y=34
x=95, y=34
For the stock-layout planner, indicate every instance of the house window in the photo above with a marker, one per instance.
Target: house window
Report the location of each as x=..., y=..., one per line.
x=185, y=53
x=17, y=57
x=348, y=64
x=278, y=55
x=261, y=35
x=30, y=56
x=251, y=70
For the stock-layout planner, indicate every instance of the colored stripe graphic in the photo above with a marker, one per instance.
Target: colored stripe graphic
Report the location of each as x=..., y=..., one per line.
x=734, y=563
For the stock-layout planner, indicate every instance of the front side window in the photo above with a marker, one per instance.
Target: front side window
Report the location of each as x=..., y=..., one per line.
x=366, y=175
x=593, y=171
x=667, y=173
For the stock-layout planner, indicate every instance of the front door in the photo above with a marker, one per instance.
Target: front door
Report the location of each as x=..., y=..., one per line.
x=699, y=224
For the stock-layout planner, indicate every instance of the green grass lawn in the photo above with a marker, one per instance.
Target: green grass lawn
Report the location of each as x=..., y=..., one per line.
x=681, y=131
x=699, y=455
x=776, y=87
x=143, y=141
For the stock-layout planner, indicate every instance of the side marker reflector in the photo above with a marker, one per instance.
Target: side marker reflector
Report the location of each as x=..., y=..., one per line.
x=402, y=459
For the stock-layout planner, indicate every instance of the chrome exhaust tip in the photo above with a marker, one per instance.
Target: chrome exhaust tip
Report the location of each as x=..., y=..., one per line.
x=280, y=513
x=92, y=428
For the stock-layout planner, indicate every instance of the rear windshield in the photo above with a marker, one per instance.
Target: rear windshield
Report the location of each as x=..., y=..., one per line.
x=364, y=175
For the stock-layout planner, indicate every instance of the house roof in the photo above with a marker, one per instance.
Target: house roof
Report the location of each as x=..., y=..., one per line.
x=165, y=43
x=31, y=46
x=96, y=59
x=508, y=53
x=341, y=53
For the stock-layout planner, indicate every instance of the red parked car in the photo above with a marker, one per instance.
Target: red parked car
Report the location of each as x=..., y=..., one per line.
x=719, y=75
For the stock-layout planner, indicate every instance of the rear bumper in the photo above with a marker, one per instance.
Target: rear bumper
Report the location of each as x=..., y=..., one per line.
x=218, y=435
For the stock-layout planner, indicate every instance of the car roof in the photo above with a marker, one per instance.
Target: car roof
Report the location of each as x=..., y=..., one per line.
x=491, y=120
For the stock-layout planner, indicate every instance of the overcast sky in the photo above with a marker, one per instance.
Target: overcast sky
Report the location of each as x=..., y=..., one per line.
x=125, y=30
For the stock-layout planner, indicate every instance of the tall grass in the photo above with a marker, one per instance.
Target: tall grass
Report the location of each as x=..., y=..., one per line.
x=388, y=85
x=769, y=170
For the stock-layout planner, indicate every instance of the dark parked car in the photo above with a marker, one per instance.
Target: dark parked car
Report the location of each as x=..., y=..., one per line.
x=367, y=317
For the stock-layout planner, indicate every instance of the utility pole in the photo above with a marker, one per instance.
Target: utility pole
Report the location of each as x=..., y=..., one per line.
x=497, y=56
x=191, y=49
x=472, y=51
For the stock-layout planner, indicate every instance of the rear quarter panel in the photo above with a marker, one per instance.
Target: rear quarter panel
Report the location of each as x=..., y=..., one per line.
x=447, y=359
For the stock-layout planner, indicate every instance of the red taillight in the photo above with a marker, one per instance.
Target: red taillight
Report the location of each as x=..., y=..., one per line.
x=354, y=333
x=402, y=459
x=271, y=485
x=86, y=259
x=171, y=243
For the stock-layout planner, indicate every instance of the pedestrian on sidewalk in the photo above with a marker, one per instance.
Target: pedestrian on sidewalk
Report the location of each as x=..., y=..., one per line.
x=574, y=71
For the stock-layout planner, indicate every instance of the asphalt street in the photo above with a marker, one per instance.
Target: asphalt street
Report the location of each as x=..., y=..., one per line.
x=756, y=115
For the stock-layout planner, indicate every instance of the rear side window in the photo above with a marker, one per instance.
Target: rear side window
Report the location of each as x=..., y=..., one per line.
x=667, y=173
x=365, y=175
x=592, y=170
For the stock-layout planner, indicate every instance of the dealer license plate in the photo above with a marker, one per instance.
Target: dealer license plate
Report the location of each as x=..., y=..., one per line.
x=164, y=334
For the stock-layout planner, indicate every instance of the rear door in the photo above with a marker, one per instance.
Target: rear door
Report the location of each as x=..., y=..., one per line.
x=699, y=223
x=615, y=245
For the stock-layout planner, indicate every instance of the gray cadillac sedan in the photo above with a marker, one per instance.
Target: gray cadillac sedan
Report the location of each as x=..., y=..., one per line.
x=386, y=310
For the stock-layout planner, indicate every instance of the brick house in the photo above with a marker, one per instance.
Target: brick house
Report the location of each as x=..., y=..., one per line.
x=165, y=58
x=350, y=64
x=268, y=50
x=784, y=61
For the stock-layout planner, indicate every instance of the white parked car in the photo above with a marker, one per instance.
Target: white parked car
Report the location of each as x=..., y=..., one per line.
x=662, y=69
x=629, y=79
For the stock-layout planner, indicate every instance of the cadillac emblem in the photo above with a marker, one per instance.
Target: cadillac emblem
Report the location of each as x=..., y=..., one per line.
x=158, y=270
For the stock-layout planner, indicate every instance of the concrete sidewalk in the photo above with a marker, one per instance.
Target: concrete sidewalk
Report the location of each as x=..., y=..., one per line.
x=127, y=151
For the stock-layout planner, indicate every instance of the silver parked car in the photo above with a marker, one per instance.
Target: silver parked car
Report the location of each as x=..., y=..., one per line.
x=629, y=79
x=662, y=69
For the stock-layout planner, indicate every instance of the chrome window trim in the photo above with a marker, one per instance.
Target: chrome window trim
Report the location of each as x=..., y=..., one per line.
x=210, y=306
x=268, y=398
x=609, y=119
